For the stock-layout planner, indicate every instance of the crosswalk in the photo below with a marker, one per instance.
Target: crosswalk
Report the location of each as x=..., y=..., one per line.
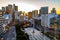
x=37, y=35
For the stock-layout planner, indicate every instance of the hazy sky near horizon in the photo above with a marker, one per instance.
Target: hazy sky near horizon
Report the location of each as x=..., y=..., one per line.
x=29, y=5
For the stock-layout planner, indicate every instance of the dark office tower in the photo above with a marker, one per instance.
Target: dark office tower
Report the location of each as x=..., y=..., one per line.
x=44, y=10
x=53, y=10
x=3, y=10
x=7, y=8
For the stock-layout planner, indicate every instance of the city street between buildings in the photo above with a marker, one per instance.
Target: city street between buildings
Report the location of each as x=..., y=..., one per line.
x=36, y=35
x=29, y=19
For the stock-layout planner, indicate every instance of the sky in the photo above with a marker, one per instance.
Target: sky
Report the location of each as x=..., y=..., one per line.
x=29, y=5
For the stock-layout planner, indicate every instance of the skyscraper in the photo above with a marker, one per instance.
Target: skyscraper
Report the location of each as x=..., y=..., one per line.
x=44, y=10
x=29, y=15
x=35, y=13
x=15, y=7
x=3, y=10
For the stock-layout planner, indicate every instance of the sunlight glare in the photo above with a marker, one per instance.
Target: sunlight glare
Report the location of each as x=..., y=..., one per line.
x=26, y=7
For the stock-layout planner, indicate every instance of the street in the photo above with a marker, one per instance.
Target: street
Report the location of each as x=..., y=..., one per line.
x=37, y=35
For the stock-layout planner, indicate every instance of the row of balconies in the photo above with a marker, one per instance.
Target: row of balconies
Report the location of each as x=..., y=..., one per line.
x=1, y=28
x=2, y=21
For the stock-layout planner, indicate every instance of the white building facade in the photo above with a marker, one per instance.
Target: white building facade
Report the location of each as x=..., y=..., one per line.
x=45, y=19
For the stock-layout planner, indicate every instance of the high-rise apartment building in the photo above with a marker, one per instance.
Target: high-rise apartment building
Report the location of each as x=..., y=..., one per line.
x=3, y=10
x=1, y=28
x=2, y=22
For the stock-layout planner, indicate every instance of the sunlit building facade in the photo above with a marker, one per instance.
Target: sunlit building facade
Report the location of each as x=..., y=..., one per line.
x=21, y=14
x=29, y=15
x=46, y=20
x=35, y=13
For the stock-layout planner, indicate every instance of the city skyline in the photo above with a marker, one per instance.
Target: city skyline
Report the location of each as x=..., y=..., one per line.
x=29, y=5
